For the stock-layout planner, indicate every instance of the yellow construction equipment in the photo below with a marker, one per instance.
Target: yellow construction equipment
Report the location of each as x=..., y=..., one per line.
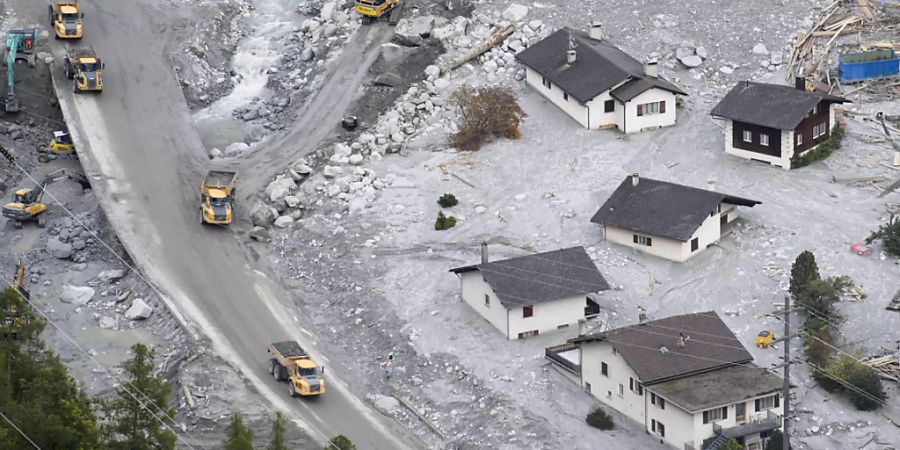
x=765, y=338
x=11, y=318
x=28, y=204
x=85, y=67
x=60, y=147
x=372, y=10
x=217, y=197
x=290, y=362
x=67, y=20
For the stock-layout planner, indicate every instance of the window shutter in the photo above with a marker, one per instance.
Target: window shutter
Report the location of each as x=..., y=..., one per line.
x=705, y=416
x=631, y=383
x=662, y=107
x=724, y=412
x=776, y=401
x=757, y=405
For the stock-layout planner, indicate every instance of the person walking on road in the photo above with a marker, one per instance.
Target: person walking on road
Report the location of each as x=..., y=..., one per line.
x=388, y=366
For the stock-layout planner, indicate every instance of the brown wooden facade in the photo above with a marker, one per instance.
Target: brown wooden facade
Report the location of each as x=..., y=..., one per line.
x=806, y=128
x=756, y=132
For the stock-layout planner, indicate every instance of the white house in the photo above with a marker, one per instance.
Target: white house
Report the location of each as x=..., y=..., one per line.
x=533, y=294
x=686, y=378
x=597, y=84
x=664, y=219
x=774, y=123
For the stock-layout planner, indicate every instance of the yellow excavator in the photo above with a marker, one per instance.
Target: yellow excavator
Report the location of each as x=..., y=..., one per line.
x=60, y=147
x=28, y=203
x=372, y=10
x=67, y=20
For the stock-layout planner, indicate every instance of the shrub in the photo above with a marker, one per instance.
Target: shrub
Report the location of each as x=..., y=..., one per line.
x=444, y=222
x=732, y=444
x=340, y=442
x=485, y=112
x=838, y=369
x=776, y=440
x=867, y=380
x=889, y=234
x=447, y=201
x=803, y=271
x=598, y=418
x=822, y=151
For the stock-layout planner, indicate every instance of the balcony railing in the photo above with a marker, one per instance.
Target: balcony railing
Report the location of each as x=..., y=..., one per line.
x=756, y=424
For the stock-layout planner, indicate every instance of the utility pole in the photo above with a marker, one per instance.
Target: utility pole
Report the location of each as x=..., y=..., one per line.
x=786, y=439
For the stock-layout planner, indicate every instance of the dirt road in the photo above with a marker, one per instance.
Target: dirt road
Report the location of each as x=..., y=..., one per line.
x=145, y=159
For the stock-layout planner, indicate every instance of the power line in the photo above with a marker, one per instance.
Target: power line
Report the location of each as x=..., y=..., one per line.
x=19, y=430
x=846, y=383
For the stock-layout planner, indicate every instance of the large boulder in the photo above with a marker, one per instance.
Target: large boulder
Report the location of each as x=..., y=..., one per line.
x=515, y=12
x=59, y=249
x=263, y=215
x=111, y=276
x=327, y=11
x=283, y=185
x=260, y=234
x=139, y=310
x=236, y=149
x=332, y=171
x=389, y=79
x=392, y=53
x=691, y=61
x=284, y=222
x=76, y=295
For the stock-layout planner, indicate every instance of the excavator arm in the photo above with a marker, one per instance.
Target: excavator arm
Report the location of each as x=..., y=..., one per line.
x=13, y=40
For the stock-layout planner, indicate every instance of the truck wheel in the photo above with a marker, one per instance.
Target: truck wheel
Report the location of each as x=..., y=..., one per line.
x=291, y=389
x=18, y=224
x=275, y=371
x=43, y=159
x=203, y=222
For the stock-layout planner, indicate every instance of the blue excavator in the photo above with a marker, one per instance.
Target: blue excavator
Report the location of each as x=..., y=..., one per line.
x=20, y=45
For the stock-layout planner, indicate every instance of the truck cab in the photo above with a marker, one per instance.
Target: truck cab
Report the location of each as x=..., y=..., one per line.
x=216, y=208
x=86, y=69
x=67, y=20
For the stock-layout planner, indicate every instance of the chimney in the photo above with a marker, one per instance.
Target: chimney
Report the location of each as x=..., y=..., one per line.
x=484, y=253
x=651, y=67
x=800, y=83
x=570, y=56
x=635, y=179
x=682, y=340
x=642, y=315
x=596, y=30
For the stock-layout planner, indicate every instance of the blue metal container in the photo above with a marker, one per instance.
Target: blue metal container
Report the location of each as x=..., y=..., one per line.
x=868, y=65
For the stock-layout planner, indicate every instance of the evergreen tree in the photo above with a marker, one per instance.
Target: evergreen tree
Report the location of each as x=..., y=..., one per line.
x=240, y=436
x=340, y=442
x=36, y=391
x=866, y=379
x=803, y=272
x=279, y=426
x=135, y=425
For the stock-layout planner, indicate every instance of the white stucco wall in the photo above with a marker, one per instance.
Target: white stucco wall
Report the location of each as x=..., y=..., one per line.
x=678, y=422
x=555, y=95
x=547, y=316
x=634, y=124
x=708, y=233
x=630, y=403
x=474, y=288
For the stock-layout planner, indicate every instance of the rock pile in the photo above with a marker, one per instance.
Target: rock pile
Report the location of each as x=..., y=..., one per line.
x=69, y=240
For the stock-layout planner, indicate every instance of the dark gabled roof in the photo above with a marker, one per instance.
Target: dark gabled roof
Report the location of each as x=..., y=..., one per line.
x=598, y=66
x=660, y=208
x=770, y=105
x=638, y=86
x=711, y=346
x=719, y=387
x=541, y=277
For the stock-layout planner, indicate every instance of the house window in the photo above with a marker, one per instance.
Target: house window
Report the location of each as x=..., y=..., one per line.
x=545, y=82
x=658, y=427
x=527, y=311
x=487, y=300
x=748, y=136
x=649, y=109
x=715, y=414
x=765, y=403
x=643, y=240
x=695, y=244
x=658, y=401
x=635, y=386
x=566, y=96
x=528, y=334
x=819, y=130
x=799, y=139
x=604, y=369
x=621, y=390
x=764, y=140
x=609, y=106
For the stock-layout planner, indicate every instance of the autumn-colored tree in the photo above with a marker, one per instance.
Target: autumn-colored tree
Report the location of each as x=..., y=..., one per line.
x=485, y=113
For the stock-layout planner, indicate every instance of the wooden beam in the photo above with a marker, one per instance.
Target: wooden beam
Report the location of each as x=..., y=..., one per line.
x=421, y=416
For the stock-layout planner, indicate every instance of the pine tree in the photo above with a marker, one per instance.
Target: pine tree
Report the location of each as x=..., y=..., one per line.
x=139, y=406
x=340, y=442
x=279, y=426
x=803, y=272
x=240, y=436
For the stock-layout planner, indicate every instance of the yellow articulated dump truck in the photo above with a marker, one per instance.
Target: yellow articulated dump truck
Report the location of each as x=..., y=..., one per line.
x=217, y=197
x=291, y=363
x=84, y=67
x=67, y=20
x=372, y=10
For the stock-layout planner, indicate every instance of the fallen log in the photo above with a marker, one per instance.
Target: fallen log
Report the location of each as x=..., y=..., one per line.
x=476, y=51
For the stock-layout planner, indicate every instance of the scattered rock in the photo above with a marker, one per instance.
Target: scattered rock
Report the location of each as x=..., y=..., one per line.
x=389, y=79
x=76, y=295
x=332, y=171
x=701, y=52
x=122, y=296
x=262, y=215
x=726, y=70
x=387, y=405
x=106, y=322
x=760, y=49
x=139, y=310
x=260, y=234
x=59, y=249
x=78, y=244
x=283, y=185
x=356, y=159
x=691, y=61
x=236, y=149
x=111, y=276
x=215, y=153
x=284, y=222
x=515, y=12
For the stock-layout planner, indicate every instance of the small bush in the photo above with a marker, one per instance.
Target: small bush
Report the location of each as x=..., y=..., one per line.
x=866, y=379
x=447, y=201
x=340, y=442
x=444, y=222
x=822, y=151
x=732, y=444
x=889, y=234
x=598, y=418
x=838, y=369
x=776, y=440
x=485, y=112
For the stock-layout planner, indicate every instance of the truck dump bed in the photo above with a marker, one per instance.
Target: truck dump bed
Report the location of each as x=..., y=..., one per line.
x=77, y=53
x=288, y=349
x=219, y=179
